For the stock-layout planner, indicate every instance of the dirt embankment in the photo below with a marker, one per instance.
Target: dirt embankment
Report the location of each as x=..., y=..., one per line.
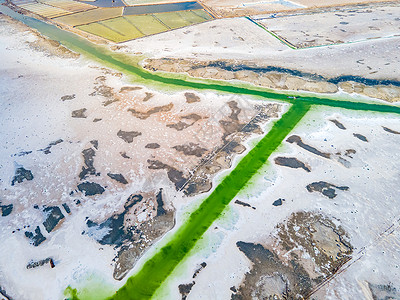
x=268, y=77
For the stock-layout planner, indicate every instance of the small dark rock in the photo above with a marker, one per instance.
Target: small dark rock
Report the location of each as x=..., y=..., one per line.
x=79, y=113
x=36, y=238
x=68, y=97
x=6, y=209
x=118, y=177
x=360, y=137
x=192, y=98
x=278, y=202
x=66, y=208
x=152, y=146
x=90, y=188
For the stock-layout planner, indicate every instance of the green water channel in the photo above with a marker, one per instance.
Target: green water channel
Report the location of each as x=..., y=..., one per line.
x=153, y=273
x=150, y=277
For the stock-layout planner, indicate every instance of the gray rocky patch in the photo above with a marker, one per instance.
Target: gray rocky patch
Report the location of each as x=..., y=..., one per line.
x=53, y=217
x=191, y=149
x=79, y=113
x=338, y=124
x=325, y=188
x=152, y=146
x=110, y=101
x=199, y=269
x=384, y=291
x=291, y=162
x=192, y=98
x=128, y=136
x=34, y=264
x=68, y=97
x=118, y=177
x=360, y=137
x=36, y=237
x=184, y=289
x=303, y=252
x=90, y=188
x=297, y=140
x=95, y=144
x=47, y=149
x=21, y=174
x=88, y=168
x=6, y=209
x=390, y=130
x=95, y=120
x=154, y=110
x=102, y=89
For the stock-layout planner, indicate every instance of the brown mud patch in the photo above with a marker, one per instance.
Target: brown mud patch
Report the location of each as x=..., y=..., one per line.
x=304, y=251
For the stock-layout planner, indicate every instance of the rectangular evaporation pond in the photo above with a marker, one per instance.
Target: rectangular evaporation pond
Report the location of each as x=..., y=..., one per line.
x=72, y=6
x=124, y=28
x=159, y=8
x=19, y=2
x=147, y=24
x=102, y=31
x=172, y=19
x=152, y=2
x=44, y=10
x=90, y=16
x=195, y=17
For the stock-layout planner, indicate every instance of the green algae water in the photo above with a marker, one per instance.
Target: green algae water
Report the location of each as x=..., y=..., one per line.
x=144, y=284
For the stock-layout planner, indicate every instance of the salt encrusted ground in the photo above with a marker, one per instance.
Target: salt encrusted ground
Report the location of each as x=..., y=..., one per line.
x=69, y=121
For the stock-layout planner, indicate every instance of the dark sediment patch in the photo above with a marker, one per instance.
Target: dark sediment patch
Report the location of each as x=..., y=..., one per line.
x=147, y=96
x=191, y=149
x=47, y=149
x=124, y=155
x=110, y=101
x=350, y=152
x=128, y=136
x=297, y=140
x=325, y=188
x=338, y=124
x=244, y=204
x=154, y=110
x=118, y=177
x=390, y=130
x=22, y=153
x=360, y=137
x=68, y=97
x=152, y=146
x=183, y=125
x=199, y=269
x=21, y=174
x=38, y=263
x=54, y=217
x=88, y=157
x=291, y=162
x=102, y=89
x=173, y=174
x=192, y=98
x=95, y=144
x=90, y=188
x=79, y=113
x=6, y=209
x=281, y=269
x=184, y=289
x=36, y=238
x=160, y=204
x=95, y=120
x=129, y=89
x=278, y=202
x=66, y=208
